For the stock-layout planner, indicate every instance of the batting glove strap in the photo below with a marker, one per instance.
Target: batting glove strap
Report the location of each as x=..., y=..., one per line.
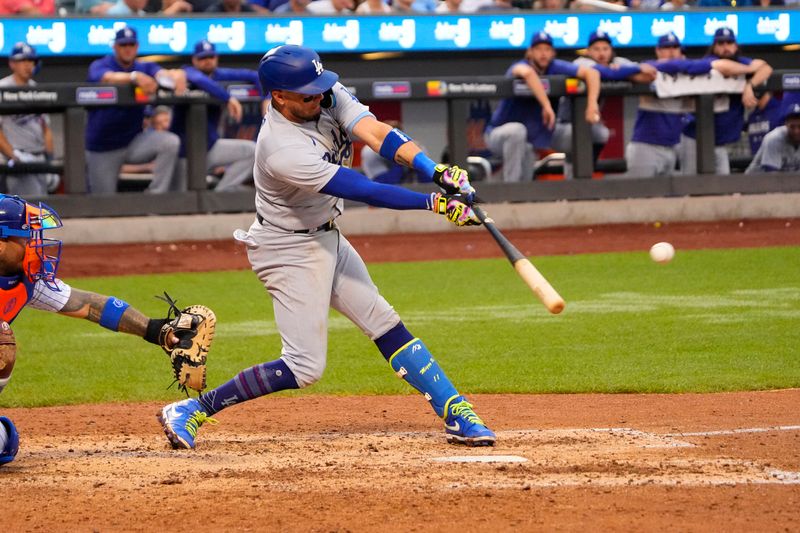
x=453, y=207
x=453, y=180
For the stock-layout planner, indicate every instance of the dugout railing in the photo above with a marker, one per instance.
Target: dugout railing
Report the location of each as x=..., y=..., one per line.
x=73, y=99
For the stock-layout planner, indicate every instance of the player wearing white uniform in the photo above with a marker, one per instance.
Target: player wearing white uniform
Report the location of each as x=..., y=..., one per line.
x=28, y=265
x=303, y=154
x=780, y=150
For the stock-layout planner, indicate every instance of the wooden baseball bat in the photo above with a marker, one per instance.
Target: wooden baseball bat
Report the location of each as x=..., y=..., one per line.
x=529, y=274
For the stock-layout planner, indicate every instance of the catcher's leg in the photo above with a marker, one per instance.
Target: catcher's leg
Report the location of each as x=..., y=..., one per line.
x=8, y=353
x=9, y=438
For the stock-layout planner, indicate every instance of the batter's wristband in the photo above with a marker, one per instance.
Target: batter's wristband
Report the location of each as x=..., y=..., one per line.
x=392, y=143
x=423, y=163
x=112, y=313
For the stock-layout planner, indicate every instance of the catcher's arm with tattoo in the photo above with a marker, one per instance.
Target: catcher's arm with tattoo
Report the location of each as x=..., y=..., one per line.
x=89, y=305
x=185, y=335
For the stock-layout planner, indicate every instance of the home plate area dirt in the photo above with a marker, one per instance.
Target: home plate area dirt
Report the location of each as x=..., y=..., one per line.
x=689, y=462
x=686, y=462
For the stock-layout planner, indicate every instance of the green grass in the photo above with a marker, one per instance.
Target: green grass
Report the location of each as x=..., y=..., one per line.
x=709, y=321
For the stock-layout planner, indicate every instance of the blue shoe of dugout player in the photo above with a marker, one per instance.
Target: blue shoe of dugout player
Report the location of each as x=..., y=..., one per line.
x=181, y=420
x=9, y=436
x=463, y=426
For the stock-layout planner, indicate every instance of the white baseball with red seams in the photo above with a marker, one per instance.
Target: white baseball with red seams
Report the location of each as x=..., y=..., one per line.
x=662, y=252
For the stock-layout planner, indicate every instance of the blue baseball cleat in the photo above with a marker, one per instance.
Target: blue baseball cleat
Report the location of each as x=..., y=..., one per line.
x=181, y=420
x=10, y=437
x=463, y=426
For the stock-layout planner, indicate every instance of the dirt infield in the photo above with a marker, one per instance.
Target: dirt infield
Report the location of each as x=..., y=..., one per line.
x=685, y=462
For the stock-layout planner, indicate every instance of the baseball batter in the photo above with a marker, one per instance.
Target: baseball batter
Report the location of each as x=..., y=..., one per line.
x=304, y=151
x=28, y=266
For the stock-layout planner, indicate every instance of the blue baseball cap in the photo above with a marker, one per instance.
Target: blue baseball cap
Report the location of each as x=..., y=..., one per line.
x=541, y=37
x=792, y=111
x=204, y=49
x=668, y=40
x=126, y=35
x=724, y=35
x=599, y=35
x=23, y=52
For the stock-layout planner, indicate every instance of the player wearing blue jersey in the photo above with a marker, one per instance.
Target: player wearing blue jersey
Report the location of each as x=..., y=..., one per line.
x=780, y=150
x=656, y=134
x=236, y=155
x=302, y=174
x=600, y=56
x=519, y=125
x=728, y=125
x=114, y=134
x=766, y=116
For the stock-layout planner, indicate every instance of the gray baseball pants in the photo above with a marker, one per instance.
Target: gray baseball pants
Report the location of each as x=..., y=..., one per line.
x=646, y=160
x=687, y=152
x=306, y=274
x=510, y=141
x=236, y=155
x=162, y=146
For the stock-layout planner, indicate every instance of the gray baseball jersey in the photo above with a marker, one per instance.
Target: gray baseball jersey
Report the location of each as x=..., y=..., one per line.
x=776, y=152
x=294, y=161
x=308, y=271
x=24, y=132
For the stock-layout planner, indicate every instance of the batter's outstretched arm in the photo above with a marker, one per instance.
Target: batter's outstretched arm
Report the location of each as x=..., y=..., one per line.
x=347, y=183
x=352, y=185
x=394, y=145
x=90, y=306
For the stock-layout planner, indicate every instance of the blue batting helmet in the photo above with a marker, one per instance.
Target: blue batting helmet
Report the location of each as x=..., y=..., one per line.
x=294, y=68
x=11, y=438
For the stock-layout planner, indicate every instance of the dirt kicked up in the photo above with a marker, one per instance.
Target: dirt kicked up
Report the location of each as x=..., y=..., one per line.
x=688, y=462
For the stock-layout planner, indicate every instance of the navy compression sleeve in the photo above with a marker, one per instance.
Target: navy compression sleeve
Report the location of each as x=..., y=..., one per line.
x=351, y=185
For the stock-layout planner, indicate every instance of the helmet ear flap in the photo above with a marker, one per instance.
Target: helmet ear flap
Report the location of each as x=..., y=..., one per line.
x=327, y=99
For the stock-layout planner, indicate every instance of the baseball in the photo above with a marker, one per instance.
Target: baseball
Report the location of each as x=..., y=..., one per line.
x=662, y=252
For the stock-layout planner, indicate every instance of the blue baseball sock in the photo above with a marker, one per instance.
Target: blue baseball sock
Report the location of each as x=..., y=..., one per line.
x=250, y=383
x=412, y=361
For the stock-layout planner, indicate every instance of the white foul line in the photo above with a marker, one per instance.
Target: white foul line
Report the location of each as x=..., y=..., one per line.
x=733, y=431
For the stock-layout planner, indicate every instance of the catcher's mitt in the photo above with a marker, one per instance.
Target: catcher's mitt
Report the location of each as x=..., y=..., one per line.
x=194, y=328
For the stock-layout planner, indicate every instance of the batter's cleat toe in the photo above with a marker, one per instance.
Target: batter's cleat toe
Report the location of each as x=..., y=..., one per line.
x=463, y=426
x=181, y=420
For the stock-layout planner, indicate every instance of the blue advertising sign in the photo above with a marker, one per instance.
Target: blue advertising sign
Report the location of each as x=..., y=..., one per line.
x=255, y=35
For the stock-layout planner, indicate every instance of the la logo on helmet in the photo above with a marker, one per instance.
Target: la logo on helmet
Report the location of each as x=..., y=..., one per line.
x=317, y=66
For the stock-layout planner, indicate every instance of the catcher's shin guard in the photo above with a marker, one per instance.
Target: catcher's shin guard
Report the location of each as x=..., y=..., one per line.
x=415, y=364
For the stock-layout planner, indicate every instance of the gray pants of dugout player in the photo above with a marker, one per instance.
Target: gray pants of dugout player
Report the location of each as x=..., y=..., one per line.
x=562, y=141
x=102, y=172
x=687, y=152
x=650, y=160
x=510, y=141
x=236, y=155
